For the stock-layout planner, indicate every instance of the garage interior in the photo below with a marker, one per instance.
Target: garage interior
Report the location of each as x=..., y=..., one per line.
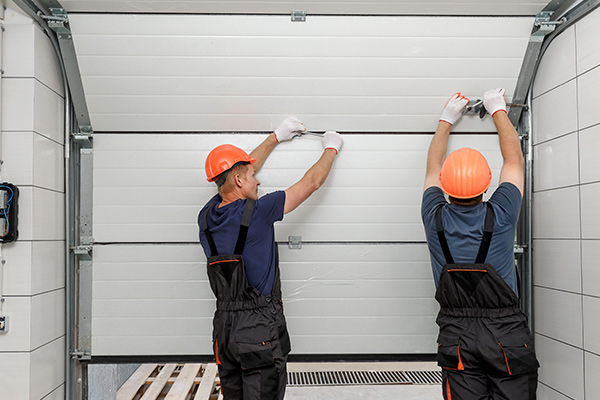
x=109, y=109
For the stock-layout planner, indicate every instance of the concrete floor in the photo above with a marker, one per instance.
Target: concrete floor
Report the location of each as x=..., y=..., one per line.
x=359, y=392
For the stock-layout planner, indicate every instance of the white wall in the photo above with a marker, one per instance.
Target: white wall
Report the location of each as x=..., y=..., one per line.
x=566, y=137
x=32, y=353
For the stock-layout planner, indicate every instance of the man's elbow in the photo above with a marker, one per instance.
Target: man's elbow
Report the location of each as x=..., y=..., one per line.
x=316, y=183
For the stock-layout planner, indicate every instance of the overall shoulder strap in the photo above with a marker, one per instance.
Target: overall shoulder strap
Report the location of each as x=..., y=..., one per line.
x=439, y=227
x=488, y=230
x=246, y=218
x=211, y=242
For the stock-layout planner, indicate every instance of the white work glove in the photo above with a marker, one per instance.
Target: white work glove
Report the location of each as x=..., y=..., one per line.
x=493, y=100
x=288, y=129
x=453, y=109
x=332, y=140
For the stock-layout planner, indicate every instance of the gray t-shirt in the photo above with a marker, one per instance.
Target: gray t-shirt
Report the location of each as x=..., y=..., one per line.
x=463, y=227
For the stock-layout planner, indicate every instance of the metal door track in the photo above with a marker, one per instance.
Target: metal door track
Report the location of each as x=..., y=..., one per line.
x=347, y=378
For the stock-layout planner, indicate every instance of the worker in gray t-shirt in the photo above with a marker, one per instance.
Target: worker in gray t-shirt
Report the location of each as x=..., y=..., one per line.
x=485, y=348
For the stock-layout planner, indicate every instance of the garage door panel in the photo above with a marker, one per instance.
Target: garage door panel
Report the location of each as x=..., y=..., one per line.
x=158, y=197
x=364, y=289
x=372, y=56
x=365, y=344
x=273, y=86
x=156, y=299
x=200, y=25
x=237, y=121
x=321, y=46
x=345, y=67
x=150, y=326
x=367, y=325
x=164, y=90
x=152, y=289
x=353, y=307
x=144, y=345
x=119, y=308
x=355, y=270
x=355, y=254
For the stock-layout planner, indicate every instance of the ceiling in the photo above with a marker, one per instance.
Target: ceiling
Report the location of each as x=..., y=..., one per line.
x=312, y=7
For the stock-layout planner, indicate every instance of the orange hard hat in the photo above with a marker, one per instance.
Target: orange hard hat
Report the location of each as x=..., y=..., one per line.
x=465, y=174
x=223, y=158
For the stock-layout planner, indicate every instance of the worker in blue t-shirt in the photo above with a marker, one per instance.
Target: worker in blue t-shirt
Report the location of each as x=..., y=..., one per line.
x=250, y=338
x=484, y=345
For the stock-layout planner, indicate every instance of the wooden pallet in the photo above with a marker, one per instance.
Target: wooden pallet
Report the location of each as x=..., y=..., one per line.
x=172, y=382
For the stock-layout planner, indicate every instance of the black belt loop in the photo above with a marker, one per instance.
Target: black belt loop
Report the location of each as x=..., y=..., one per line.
x=246, y=218
x=439, y=226
x=211, y=242
x=488, y=231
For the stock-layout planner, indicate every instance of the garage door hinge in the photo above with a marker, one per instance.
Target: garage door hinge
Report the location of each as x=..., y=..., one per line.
x=84, y=252
x=84, y=136
x=295, y=242
x=80, y=355
x=298, y=15
x=542, y=20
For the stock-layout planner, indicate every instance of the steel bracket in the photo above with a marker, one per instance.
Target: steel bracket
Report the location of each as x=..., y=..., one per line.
x=520, y=248
x=84, y=252
x=298, y=15
x=84, y=136
x=295, y=242
x=545, y=26
x=58, y=22
x=80, y=355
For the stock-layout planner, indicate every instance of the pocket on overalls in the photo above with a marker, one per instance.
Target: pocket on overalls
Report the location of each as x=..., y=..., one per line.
x=254, y=347
x=448, y=355
x=518, y=353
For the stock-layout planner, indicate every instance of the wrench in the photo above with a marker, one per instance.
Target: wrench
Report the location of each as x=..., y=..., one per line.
x=475, y=107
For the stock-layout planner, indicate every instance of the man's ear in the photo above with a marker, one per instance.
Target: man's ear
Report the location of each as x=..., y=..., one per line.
x=237, y=179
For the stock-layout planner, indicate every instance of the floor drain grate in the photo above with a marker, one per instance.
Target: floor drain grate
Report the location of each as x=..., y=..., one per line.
x=424, y=377
x=343, y=378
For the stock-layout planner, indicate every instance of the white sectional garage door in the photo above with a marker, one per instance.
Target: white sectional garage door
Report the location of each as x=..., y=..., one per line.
x=163, y=91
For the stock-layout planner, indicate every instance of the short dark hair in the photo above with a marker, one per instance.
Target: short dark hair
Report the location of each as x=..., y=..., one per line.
x=222, y=177
x=473, y=201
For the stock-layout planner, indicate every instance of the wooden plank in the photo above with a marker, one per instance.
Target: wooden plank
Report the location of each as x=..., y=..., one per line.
x=172, y=379
x=208, y=382
x=181, y=388
x=135, y=382
x=159, y=382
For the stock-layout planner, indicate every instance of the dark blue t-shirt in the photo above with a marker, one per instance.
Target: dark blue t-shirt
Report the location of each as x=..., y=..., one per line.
x=260, y=252
x=463, y=226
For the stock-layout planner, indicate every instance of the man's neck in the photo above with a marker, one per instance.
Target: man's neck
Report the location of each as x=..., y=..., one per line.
x=228, y=198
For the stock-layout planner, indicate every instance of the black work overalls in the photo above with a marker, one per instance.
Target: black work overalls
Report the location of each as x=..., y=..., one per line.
x=250, y=337
x=484, y=345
